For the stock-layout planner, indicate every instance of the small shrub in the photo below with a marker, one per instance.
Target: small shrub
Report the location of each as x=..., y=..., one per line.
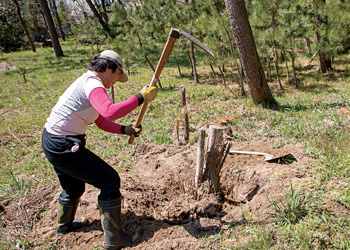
x=293, y=208
x=18, y=186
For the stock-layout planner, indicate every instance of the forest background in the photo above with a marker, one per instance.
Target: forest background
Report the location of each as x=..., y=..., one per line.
x=302, y=46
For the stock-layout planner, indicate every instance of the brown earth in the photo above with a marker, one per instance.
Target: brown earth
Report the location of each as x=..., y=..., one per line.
x=161, y=203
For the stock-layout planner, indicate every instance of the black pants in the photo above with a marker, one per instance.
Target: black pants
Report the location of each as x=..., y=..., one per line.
x=74, y=169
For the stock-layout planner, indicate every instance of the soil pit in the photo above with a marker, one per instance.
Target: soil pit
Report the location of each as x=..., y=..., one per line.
x=161, y=203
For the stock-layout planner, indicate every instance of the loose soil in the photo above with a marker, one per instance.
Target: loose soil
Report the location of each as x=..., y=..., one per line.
x=161, y=203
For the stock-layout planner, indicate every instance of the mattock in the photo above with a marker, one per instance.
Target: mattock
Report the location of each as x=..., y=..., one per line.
x=173, y=35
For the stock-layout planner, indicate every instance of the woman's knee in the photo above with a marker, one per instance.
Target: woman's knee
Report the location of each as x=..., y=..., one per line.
x=110, y=190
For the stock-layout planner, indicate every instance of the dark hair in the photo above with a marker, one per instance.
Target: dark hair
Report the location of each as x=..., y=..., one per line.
x=101, y=65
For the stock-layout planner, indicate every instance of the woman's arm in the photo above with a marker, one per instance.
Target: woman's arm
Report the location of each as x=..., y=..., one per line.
x=109, y=126
x=112, y=111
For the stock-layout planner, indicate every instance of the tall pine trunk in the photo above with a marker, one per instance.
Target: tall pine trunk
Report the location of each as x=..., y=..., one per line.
x=253, y=70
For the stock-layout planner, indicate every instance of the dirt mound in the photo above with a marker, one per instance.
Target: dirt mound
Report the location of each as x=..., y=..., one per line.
x=161, y=203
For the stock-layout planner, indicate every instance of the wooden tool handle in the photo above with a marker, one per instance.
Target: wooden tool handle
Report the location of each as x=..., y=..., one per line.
x=174, y=34
x=249, y=153
x=138, y=120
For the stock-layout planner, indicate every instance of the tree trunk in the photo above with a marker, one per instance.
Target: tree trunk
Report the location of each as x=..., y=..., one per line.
x=104, y=13
x=105, y=25
x=292, y=55
x=229, y=41
x=212, y=70
x=52, y=30
x=189, y=59
x=287, y=71
x=222, y=76
x=242, y=71
x=54, y=8
x=253, y=70
x=193, y=59
x=241, y=85
x=325, y=61
x=308, y=42
x=275, y=62
x=45, y=21
x=268, y=61
x=286, y=63
x=147, y=59
x=178, y=66
x=19, y=14
x=294, y=73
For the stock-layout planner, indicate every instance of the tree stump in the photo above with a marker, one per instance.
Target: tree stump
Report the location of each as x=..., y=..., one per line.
x=215, y=156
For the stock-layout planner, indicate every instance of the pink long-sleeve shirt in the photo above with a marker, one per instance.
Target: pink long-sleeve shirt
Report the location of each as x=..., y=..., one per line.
x=108, y=111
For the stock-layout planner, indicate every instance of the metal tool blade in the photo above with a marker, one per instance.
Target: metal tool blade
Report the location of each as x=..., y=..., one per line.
x=195, y=40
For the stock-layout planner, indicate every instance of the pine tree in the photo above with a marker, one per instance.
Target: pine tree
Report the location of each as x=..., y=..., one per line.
x=256, y=80
x=295, y=27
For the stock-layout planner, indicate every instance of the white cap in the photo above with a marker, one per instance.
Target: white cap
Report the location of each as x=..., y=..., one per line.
x=114, y=57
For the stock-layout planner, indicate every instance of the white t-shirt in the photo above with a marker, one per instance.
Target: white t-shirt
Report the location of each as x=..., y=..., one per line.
x=73, y=112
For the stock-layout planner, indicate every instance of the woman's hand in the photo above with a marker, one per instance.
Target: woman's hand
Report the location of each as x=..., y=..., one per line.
x=130, y=129
x=149, y=94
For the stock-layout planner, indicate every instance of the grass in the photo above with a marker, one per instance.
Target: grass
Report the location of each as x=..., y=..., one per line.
x=294, y=206
x=316, y=115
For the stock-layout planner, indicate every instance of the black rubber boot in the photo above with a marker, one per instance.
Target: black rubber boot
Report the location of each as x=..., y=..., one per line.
x=65, y=217
x=114, y=237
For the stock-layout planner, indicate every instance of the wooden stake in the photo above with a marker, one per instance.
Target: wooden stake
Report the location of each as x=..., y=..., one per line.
x=200, y=157
x=183, y=102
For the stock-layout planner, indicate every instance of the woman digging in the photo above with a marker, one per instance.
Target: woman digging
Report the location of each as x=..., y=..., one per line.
x=63, y=141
